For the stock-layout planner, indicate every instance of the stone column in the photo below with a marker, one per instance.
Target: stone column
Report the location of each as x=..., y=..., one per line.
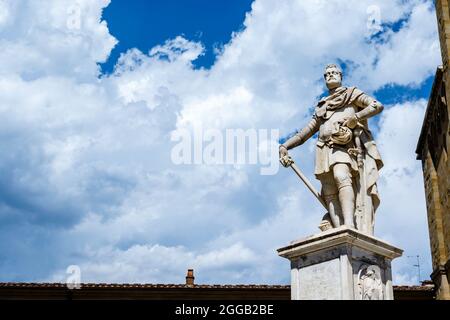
x=340, y=264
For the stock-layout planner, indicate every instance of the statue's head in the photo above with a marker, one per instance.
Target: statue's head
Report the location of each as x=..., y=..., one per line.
x=333, y=76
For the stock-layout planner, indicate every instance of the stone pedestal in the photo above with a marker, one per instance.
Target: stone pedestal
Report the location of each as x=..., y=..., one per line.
x=340, y=264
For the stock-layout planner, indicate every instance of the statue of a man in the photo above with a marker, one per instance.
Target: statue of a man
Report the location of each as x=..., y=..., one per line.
x=347, y=159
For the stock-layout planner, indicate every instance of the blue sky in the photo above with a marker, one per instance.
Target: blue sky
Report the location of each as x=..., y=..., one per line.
x=143, y=24
x=94, y=91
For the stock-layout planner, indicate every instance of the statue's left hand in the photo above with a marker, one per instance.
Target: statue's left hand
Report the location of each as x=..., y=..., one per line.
x=351, y=122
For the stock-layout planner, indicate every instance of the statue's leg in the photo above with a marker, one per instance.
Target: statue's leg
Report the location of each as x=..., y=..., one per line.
x=330, y=195
x=343, y=179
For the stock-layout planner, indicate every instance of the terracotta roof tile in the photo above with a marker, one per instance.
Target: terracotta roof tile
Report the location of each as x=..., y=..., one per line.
x=426, y=286
x=415, y=288
x=139, y=285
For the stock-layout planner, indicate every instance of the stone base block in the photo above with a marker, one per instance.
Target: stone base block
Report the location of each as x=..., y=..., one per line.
x=341, y=264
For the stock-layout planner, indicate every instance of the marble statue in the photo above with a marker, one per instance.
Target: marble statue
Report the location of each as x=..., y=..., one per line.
x=370, y=284
x=347, y=158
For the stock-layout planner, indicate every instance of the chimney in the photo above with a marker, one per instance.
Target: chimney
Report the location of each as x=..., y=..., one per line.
x=190, y=277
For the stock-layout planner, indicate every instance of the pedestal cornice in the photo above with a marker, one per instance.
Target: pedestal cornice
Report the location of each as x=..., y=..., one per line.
x=336, y=237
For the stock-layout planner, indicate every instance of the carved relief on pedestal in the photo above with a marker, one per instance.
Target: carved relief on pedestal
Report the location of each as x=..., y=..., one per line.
x=370, y=284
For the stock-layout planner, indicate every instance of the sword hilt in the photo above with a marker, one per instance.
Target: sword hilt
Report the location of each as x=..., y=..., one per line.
x=286, y=161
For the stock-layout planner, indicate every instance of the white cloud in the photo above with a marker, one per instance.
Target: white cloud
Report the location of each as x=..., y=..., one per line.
x=402, y=218
x=398, y=57
x=87, y=159
x=405, y=279
x=56, y=37
x=159, y=264
x=5, y=13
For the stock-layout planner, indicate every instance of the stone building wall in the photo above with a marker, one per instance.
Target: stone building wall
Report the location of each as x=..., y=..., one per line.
x=433, y=151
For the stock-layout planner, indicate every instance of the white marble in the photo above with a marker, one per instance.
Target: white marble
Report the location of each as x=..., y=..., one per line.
x=340, y=264
x=347, y=159
x=316, y=278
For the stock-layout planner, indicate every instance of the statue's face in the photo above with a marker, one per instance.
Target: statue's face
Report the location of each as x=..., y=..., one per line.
x=333, y=78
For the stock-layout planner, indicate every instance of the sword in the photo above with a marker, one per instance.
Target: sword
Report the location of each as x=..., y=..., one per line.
x=287, y=161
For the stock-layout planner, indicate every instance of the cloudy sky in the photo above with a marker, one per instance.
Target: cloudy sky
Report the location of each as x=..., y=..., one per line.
x=91, y=92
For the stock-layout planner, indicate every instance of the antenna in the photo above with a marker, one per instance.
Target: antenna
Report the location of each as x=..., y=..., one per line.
x=417, y=265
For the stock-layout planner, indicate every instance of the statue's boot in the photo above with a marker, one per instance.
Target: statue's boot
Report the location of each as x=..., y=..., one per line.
x=334, y=209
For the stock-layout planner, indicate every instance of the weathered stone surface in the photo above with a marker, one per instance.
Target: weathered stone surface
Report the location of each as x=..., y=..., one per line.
x=340, y=264
x=316, y=278
x=432, y=149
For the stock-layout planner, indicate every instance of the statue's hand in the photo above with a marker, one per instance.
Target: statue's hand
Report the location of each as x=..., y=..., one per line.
x=284, y=156
x=351, y=122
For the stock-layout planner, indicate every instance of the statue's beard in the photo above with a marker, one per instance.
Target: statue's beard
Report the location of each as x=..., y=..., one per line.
x=333, y=84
